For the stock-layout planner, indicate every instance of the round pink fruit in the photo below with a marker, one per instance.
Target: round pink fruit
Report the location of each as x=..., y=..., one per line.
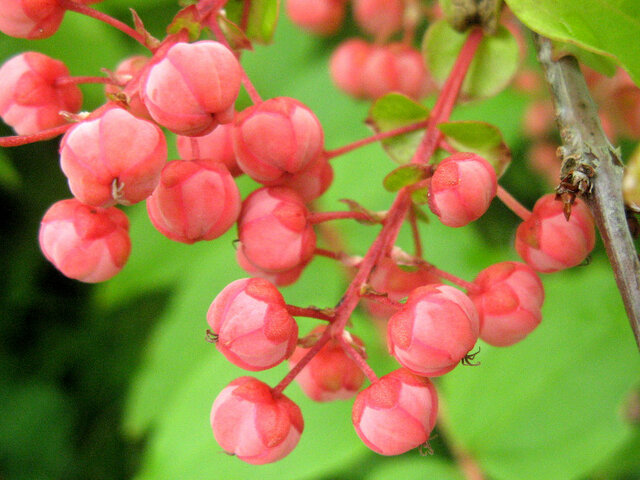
x=322, y=17
x=32, y=19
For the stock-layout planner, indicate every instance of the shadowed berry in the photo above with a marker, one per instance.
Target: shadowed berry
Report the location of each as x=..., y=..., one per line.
x=192, y=88
x=276, y=138
x=253, y=424
x=85, y=243
x=346, y=64
x=548, y=242
x=274, y=231
x=253, y=327
x=195, y=200
x=216, y=145
x=331, y=374
x=311, y=182
x=323, y=17
x=127, y=70
x=434, y=330
x=462, y=188
x=280, y=279
x=508, y=301
x=30, y=97
x=113, y=157
x=396, y=413
x=380, y=18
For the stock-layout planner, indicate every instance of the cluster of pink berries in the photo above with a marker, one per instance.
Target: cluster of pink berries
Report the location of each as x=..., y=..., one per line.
x=118, y=155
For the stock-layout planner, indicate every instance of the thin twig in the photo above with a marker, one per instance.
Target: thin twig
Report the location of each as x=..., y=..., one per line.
x=592, y=166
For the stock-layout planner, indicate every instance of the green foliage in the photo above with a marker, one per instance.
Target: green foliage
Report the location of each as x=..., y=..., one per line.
x=404, y=176
x=261, y=19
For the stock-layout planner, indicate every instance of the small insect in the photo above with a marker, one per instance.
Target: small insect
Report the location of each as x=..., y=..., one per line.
x=576, y=182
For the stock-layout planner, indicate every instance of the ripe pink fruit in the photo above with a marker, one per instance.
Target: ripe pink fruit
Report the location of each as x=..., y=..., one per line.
x=396, y=413
x=126, y=71
x=380, y=18
x=216, y=145
x=275, y=235
x=30, y=19
x=85, y=243
x=508, y=302
x=434, y=330
x=346, y=64
x=397, y=283
x=253, y=327
x=394, y=68
x=255, y=425
x=276, y=138
x=548, y=242
x=323, y=17
x=331, y=374
x=30, y=98
x=462, y=188
x=113, y=157
x=311, y=182
x=192, y=87
x=195, y=200
x=280, y=279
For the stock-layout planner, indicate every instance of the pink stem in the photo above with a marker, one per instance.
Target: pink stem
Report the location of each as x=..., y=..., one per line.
x=308, y=312
x=103, y=17
x=415, y=232
x=18, y=140
x=361, y=362
x=62, y=81
x=329, y=154
x=514, y=205
x=468, y=286
x=383, y=299
x=319, y=217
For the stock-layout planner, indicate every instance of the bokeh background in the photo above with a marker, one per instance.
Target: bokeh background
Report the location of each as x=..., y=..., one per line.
x=115, y=381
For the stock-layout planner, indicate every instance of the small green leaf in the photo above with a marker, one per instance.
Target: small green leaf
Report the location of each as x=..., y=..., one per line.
x=419, y=213
x=394, y=111
x=480, y=138
x=494, y=64
x=236, y=37
x=631, y=180
x=259, y=23
x=420, y=196
x=186, y=19
x=403, y=176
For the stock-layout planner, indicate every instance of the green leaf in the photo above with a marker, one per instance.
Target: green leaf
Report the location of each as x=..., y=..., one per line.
x=260, y=20
x=560, y=390
x=600, y=63
x=395, y=110
x=480, y=138
x=415, y=467
x=494, y=64
x=605, y=27
x=404, y=176
x=9, y=176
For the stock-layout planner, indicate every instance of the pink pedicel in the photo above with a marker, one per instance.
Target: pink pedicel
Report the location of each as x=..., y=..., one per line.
x=85, y=243
x=547, y=242
x=509, y=299
x=254, y=330
x=274, y=231
x=217, y=145
x=380, y=18
x=30, y=98
x=434, y=330
x=396, y=413
x=253, y=424
x=276, y=139
x=194, y=200
x=113, y=157
x=280, y=279
x=331, y=374
x=462, y=188
x=32, y=19
x=322, y=17
x=192, y=87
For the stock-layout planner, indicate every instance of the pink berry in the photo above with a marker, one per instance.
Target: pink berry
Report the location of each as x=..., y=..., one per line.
x=394, y=68
x=280, y=279
x=192, y=87
x=127, y=71
x=253, y=327
x=380, y=18
x=113, y=157
x=311, y=182
x=274, y=231
x=216, y=145
x=508, y=300
x=85, y=243
x=323, y=17
x=434, y=330
x=331, y=374
x=397, y=283
x=276, y=139
x=396, y=413
x=195, y=200
x=252, y=423
x=32, y=19
x=30, y=98
x=548, y=242
x=346, y=65
x=462, y=188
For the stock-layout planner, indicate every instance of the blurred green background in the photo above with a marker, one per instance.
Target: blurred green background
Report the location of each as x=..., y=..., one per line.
x=116, y=381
